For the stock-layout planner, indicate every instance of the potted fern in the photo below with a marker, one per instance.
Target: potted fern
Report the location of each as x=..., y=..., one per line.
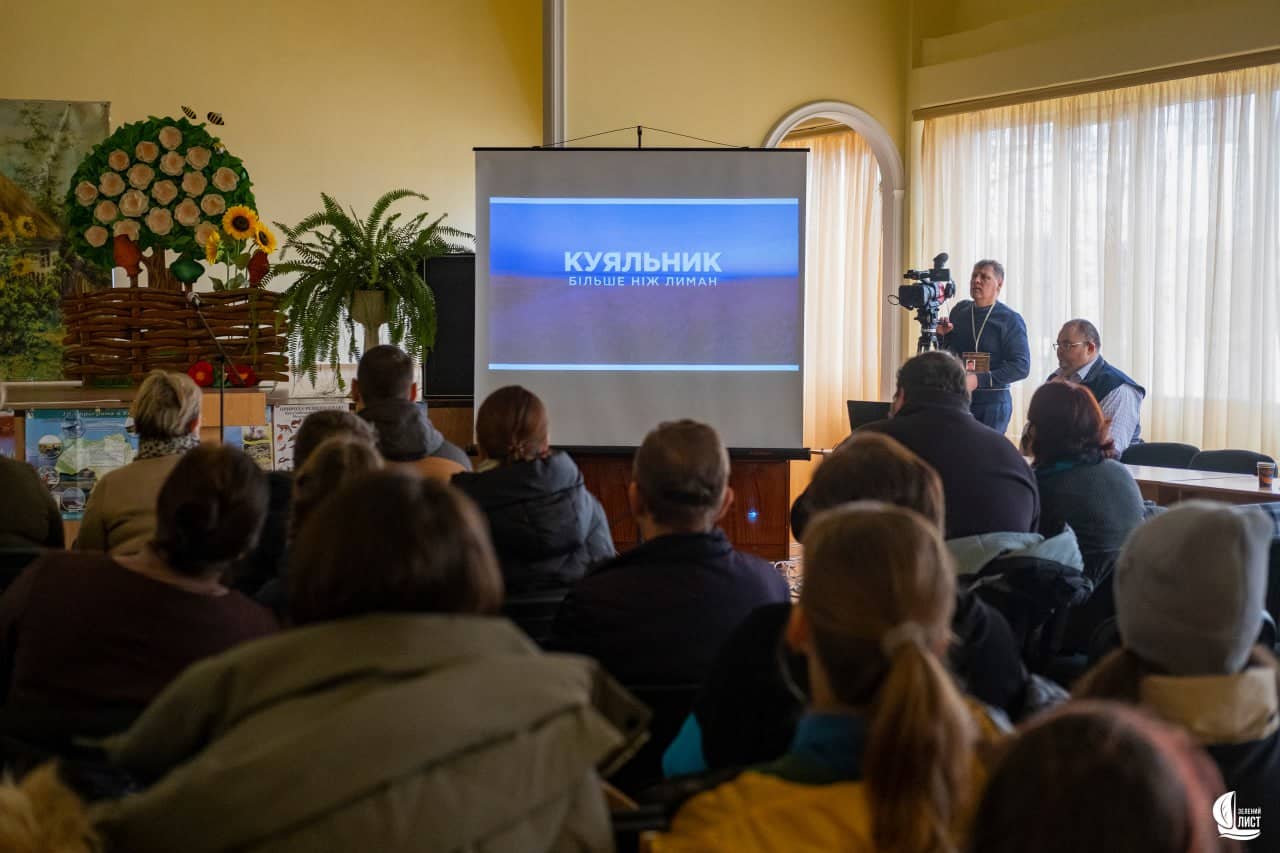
x=351, y=270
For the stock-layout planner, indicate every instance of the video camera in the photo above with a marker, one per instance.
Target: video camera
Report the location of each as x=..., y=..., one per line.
x=933, y=287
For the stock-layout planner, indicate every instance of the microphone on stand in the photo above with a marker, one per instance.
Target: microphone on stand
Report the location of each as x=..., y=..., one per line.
x=194, y=300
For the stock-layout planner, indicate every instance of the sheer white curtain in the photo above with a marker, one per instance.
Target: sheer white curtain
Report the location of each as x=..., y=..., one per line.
x=842, y=290
x=1153, y=211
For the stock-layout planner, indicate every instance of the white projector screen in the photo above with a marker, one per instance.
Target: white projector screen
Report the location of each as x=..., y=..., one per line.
x=627, y=287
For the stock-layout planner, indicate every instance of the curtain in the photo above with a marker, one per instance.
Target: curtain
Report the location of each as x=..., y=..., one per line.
x=842, y=281
x=1153, y=211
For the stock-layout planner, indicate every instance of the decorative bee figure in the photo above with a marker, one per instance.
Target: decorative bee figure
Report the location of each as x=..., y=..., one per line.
x=214, y=118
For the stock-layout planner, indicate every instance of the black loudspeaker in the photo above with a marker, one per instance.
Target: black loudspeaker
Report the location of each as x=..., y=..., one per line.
x=450, y=370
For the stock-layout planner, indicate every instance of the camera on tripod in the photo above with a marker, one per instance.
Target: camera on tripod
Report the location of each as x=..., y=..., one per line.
x=935, y=286
x=932, y=287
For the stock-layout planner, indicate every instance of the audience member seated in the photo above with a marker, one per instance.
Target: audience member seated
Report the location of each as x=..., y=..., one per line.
x=29, y=516
x=546, y=527
x=82, y=630
x=987, y=484
x=1080, y=360
x=120, y=516
x=1189, y=591
x=885, y=757
x=384, y=392
x=750, y=671
x=42, y=815
x=400, y=716
x=1100, y=777
x=265, y=563
x=1081, y=483
x=659, y=613
x=327, y=467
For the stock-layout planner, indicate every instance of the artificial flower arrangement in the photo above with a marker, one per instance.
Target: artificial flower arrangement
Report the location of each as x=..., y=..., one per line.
x=156, y=186
x=243, y=250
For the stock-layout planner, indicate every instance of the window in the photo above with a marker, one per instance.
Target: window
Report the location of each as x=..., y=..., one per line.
x=1152, y=211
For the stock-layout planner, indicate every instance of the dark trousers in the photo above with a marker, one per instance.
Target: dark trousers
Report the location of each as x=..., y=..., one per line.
x=993, y=408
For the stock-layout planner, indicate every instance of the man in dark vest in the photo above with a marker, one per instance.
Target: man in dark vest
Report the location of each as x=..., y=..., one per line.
x=1080, y=360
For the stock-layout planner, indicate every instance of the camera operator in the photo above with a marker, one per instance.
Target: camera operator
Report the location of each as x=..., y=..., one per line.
x=991, y=339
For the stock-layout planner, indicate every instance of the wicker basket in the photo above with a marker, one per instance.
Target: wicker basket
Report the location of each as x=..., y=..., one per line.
x=130, y=331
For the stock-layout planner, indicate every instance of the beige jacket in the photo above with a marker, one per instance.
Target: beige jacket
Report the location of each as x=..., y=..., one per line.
x=120, y=517
x=393, y=732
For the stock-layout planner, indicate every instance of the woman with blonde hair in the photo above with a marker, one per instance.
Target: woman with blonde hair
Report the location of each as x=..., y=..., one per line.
x=120, y=517
x=884, y=759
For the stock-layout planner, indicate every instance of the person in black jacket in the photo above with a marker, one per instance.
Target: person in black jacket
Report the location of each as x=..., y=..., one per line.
x=384, y=393
x=989, y=487
x=659, y=614
x=546, y=527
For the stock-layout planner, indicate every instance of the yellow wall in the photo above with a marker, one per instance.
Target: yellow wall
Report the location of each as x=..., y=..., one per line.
x=350, y=98
x=727, y=70
x=963, y=49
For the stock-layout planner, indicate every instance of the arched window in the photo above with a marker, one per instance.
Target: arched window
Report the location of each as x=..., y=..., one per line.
x=853, y=249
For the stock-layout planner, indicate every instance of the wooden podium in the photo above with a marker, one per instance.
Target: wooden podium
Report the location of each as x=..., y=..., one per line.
x=758, y=522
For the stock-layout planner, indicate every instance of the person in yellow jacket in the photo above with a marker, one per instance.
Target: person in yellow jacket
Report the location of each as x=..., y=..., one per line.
x=885, y=758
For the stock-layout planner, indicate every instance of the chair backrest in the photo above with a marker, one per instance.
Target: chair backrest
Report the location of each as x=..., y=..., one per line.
x=1163, y=454
x=535, y=612
x=863, y=412
x=1229, y=461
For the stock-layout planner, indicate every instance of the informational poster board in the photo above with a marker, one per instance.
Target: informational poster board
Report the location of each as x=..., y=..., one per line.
x=285, y=421
x=255, y=441
x=72, y=449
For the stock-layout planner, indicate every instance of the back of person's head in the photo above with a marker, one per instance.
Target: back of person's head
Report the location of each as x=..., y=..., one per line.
x=1100, y=777
x=393, y=542
x=42, y=815
x=384, y=373
x=932, y=371
x=878, y=595
x=512, y=425
x=1066, y=422
x=210, y=510
x=871, y=466
x=166, y=406
x=324, y=424
x=681, y=472
x=1190, y=587
x=337, y=460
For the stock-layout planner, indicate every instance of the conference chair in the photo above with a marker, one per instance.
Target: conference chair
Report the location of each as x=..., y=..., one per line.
x=1162, y=454
x=1229, y=461
x=535, y=612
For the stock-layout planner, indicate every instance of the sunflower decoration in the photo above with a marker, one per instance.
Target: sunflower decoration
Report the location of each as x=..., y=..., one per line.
x=242, y=244
x=266, y=240
x=240, y=222
x=211, y=248
x=25, y=226
x=22, y=265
